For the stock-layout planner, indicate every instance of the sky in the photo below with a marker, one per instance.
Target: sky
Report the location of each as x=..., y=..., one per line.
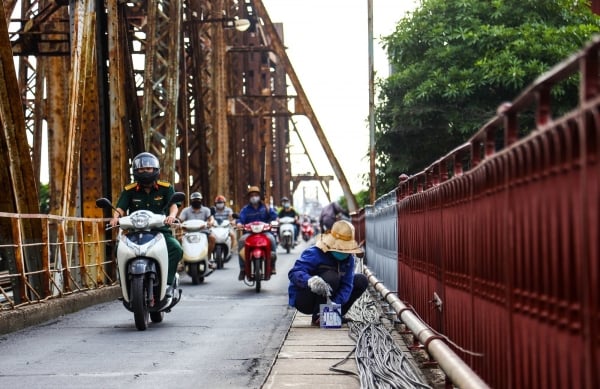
x=327, y=44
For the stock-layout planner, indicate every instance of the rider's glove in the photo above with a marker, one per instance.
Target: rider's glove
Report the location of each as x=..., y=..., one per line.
x=318, y=286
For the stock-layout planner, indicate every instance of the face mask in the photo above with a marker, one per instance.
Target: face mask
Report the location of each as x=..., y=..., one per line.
x=196, y=204
x=339, y=256
x=220, y=205
x=286, y=205
x=254, y=199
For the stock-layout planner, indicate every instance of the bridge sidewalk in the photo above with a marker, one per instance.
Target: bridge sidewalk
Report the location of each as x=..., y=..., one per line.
x=308, y=353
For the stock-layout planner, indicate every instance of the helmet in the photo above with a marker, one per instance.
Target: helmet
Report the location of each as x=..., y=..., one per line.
x=253, y=189
x=220, y=199
x=145, y=160
x=196, y=195
x=284, y=199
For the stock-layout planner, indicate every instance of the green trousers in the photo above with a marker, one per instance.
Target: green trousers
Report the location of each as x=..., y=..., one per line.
x=175, y=255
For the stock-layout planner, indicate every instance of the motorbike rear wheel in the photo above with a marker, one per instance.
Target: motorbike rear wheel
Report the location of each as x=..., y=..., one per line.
x=257, y=273
x=139, y=304
x=219, y=256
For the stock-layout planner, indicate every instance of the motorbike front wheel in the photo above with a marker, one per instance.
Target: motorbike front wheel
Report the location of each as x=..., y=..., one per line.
x=139, y=304
x=257, y=273
x=194, y=272
x=219, y=256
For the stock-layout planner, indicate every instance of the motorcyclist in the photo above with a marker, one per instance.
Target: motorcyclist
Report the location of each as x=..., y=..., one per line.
x=150, y=193
x=288, y=210
x=196, y=211
x=222, y=212
x=256, y=210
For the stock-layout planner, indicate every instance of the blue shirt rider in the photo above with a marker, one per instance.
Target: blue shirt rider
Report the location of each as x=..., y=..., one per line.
x=255, y=210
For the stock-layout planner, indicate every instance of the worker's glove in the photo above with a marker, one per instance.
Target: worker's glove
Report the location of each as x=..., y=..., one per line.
x=318, y=285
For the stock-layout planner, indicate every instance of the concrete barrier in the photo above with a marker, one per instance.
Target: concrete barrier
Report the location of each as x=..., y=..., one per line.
x=30, y=315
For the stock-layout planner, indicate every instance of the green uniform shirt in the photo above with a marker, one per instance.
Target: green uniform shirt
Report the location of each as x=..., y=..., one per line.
x=134, y=197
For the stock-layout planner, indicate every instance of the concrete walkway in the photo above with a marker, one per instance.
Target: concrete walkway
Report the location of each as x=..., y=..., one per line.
x=308, y=353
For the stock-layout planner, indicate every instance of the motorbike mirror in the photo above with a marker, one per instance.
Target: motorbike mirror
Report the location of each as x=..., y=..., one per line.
x=103, y=202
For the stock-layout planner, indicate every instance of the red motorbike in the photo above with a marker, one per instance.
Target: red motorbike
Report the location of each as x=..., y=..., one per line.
x=307, y=231
x=257, y=254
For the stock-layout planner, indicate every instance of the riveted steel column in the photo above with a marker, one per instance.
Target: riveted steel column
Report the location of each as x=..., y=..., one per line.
x=161, y=82
x=16, y=169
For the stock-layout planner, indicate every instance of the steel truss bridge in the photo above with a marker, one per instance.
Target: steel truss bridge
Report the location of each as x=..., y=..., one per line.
x=100, y=82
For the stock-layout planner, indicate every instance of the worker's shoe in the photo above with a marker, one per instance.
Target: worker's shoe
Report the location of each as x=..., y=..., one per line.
x=242, y=275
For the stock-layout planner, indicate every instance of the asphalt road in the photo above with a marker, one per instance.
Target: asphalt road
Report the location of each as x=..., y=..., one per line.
x=221, y=335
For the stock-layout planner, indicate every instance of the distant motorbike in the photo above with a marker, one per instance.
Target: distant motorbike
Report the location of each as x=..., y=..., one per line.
x=195, y=250
x=307, y=231
x=257, y=254
x=287, y=232
x=222, y=252
x=143, y=263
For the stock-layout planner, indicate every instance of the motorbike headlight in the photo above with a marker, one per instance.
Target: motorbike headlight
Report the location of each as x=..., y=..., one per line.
x=256, y=228
x=141, y=220
x=195, y=238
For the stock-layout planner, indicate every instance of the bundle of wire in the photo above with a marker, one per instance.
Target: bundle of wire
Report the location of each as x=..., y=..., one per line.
x=381, y=363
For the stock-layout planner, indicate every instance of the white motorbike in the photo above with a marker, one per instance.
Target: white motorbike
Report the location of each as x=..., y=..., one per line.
x=287, y=233
x=195, y=250
x=143, y=263
x=222, y=252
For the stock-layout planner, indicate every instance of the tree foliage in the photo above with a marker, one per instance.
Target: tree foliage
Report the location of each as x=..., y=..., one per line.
x=363, y=199
x=456, y=61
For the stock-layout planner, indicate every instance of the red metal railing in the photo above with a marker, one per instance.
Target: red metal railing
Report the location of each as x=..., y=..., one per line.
x=507, y=236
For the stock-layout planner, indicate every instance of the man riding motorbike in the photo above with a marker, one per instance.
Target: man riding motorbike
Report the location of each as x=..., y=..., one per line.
x=256, y=210
x=288, y=210
x=152, y=194
x=221, y=211
x=196, y=211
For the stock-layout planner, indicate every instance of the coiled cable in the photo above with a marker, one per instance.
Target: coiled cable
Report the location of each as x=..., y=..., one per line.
x=380, y=362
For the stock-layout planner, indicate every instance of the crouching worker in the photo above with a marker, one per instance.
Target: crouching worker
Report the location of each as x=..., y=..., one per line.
x=327, y=268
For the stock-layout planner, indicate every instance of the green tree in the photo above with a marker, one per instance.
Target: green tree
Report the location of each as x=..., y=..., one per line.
x=456, y=61
x=362, y=198
x=44, y=198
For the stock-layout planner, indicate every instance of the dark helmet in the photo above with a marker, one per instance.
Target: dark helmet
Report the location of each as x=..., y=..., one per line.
x=196, y=195
x=145, y=160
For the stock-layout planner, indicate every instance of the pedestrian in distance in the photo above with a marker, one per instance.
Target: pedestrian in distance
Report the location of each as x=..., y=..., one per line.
x=327, y=270
x=150, y=193
x=330, y=214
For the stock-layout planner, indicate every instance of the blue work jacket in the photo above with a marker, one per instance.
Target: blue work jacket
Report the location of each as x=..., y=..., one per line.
x=313, y=261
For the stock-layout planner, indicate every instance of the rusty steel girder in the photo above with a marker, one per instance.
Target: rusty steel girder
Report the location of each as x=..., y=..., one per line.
x=170, y=77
